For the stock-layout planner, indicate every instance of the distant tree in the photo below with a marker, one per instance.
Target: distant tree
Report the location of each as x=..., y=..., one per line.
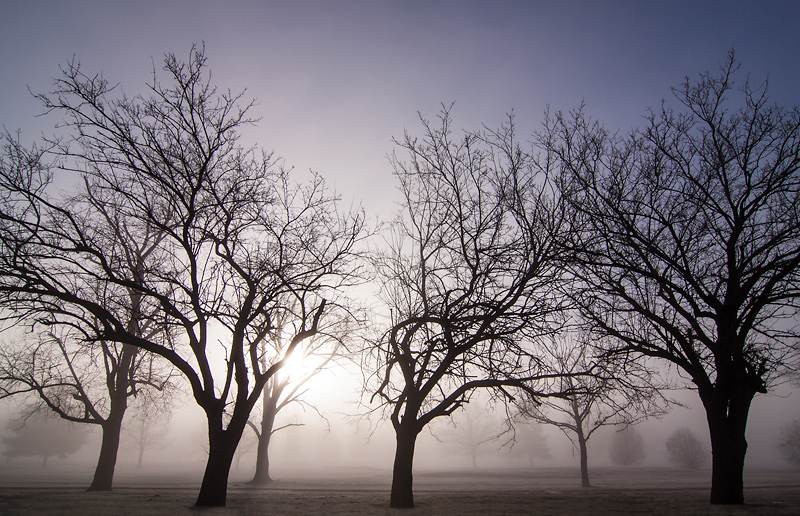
x=685, y=450
x=147, y=428
x=627, y=446
x=239, y=234
x=288, y=387
x=471, y=432
x=247, y=444
x=468, y=277
x=529, y=439
x=690, y=248
x=789, y=442
x=611, y=395
x=42, y=437
x=84, y=382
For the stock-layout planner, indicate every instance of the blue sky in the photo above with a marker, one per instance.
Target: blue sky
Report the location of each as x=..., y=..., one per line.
x=335, y=80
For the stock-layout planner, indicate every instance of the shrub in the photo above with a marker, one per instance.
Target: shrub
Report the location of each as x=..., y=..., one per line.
x=627, y=447
x=789, y=442
x=686, y=450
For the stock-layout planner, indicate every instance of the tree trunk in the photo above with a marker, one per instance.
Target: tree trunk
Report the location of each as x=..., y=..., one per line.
x=214, y=489
x=402, y=475
x=221, y=450
x=584, y=460
x=118, y=383
x=107, y=461
x=143, y=440
x=728, y=450
x=726, y=412
x=141, y=456
x=261, y=477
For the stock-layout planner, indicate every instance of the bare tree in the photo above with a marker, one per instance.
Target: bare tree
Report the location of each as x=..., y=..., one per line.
x=39, y=436
x=472, y=431
x=83, y=383
x=147, y=427
x=627, y=446
x=691, y=247
x=239, y=236
x=789, y=442
x=79, y=377
x=247, y=444
x=286, y=388
x=469, y=278
x=529, y=438
x=685, y=450
x=612, y=395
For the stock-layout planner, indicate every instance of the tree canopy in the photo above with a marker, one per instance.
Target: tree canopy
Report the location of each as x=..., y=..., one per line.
x=233, y=235
x=690, y=251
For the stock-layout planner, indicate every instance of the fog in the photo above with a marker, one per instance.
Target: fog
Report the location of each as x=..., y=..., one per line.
x=347, y=439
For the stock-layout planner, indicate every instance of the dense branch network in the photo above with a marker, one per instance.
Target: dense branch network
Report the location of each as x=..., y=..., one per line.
x=470, y=279
x=690, y=251
x=236, y=235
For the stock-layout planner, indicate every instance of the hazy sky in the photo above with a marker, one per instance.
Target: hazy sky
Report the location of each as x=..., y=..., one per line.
x=335, y=80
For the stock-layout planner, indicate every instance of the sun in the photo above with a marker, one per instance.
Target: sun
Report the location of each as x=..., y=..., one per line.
x=294, y=366
x=312, y=370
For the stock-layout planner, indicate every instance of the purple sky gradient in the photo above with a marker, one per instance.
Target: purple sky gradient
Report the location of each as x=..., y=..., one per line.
x=336, y=80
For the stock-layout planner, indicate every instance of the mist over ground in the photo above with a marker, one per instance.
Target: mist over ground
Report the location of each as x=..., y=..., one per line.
x=346, y=440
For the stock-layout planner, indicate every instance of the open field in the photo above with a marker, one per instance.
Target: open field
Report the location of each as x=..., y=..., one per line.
x=545, y=491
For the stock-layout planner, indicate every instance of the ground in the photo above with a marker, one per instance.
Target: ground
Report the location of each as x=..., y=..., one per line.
x=545, y=491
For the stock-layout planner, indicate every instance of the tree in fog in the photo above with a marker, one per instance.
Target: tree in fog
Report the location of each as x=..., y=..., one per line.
x=627, y=447
x=529, y=439
x=286, y=388
x=685, y=450
x=238, y=236
x=147, y=428
x=36, y=435
x=471, y=432
x=613, y=394
x=247, y=445
x=789, y=442
x=690, y=251
x=83, y=382
x=468, y=275
x=72, y=373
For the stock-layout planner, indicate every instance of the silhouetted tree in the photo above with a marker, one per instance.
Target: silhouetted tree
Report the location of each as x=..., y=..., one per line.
x=286, y=388
x=789, y=442
x=83, y=382
x=238, y=237
x=469, y=278
x=690, y=251
x=79, y=377
x=685, y=450
x=42, y=437
x=613, y=394
x=627, y=446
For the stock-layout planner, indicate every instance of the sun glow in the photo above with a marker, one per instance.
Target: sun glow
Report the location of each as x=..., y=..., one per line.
x=322, y=380
x=304, y=364
x=295, y=366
